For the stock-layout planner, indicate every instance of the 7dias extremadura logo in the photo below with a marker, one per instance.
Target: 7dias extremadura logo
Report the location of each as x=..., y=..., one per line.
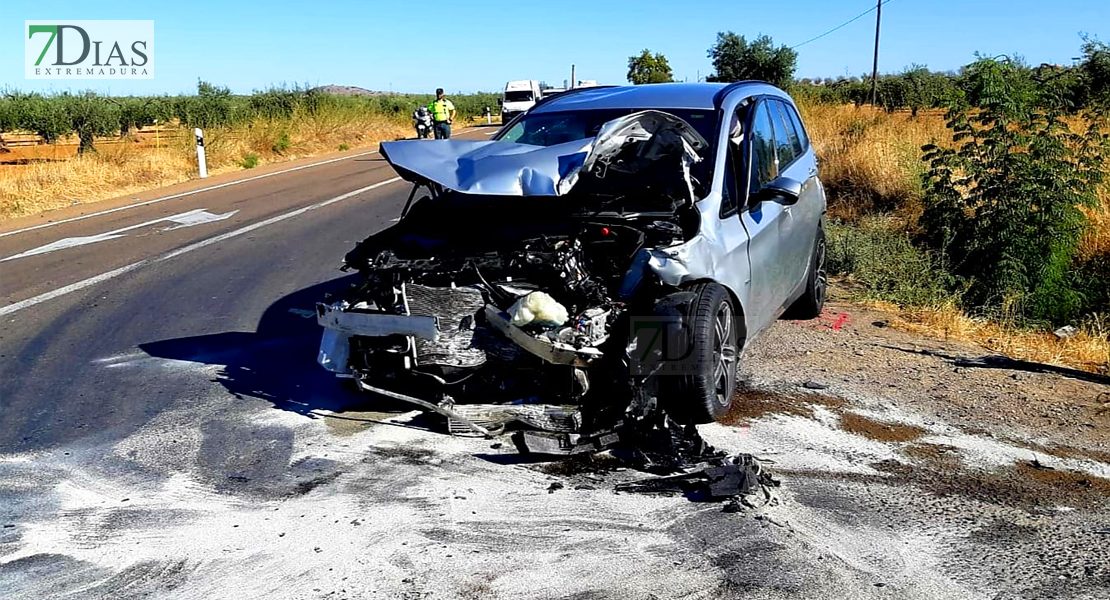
x=89, y=50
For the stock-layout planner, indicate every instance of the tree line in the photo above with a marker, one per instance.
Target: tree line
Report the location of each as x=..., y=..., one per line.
x=89, y=115
x=1068, y=87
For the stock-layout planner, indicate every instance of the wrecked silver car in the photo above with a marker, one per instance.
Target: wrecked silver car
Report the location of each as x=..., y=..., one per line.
x=603, y=260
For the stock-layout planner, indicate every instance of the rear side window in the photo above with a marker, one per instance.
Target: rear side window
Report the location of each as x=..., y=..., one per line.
x=795, y=140
x=800, y=131
x=764, y=167
x=782, y=139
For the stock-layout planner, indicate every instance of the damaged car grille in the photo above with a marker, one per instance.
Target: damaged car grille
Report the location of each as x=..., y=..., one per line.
x=455, y=311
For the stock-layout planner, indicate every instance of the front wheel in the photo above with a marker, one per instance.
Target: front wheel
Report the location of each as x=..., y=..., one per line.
x=703, y=392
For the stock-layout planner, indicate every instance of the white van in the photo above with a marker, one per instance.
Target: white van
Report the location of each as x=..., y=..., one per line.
x=519, y=97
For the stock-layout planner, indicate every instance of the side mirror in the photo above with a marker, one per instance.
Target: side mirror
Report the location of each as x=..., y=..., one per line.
x=500, y=101
x=783, y=190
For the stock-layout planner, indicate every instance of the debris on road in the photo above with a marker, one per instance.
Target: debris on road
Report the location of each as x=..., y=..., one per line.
x=734, y=477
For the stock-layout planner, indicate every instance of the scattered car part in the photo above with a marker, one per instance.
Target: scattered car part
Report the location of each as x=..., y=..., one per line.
x=450, y=414
x=721, y=479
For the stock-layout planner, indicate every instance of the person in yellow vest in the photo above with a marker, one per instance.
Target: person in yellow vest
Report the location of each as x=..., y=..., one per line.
x=443, y=114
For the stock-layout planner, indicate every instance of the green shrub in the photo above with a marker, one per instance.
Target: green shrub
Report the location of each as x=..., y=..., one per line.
x=249, y=161
x=1091, y=277
x=883, y=261
x=344, y=147
x=282, y=144
x=1004, y=206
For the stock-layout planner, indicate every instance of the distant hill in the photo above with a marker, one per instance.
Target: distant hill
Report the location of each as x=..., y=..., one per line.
x=347, y=90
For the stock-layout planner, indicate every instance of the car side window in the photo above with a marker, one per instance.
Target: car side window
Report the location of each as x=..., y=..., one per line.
x=782, y=140
x=764, y=163
x=734, y=164
x=791, y=130
x=798, y=128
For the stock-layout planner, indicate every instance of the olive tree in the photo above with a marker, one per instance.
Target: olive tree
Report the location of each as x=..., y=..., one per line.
x=735, y=59
x=90, y=115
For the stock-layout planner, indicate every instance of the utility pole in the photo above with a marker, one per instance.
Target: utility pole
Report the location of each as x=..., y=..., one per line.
x=875, y=67
x=573, y=78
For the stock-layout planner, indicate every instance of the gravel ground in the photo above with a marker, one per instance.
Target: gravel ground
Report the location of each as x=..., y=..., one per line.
x=902, y=477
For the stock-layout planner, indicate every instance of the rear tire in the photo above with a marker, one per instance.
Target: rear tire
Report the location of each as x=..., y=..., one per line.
x=705, y=394
x=812, y=302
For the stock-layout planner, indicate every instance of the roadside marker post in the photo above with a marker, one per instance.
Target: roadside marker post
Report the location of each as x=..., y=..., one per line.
x=489, y=117
x=201, y=163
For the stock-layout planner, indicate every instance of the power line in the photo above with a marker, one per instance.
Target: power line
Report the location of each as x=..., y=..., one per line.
x=842, y=25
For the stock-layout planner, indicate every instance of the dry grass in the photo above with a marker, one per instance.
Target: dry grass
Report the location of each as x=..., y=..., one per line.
x=1096, y=239
x=1088, y=350
x=119, y=169
x=871, y=160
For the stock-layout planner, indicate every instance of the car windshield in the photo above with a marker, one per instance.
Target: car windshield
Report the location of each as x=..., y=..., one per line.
x=518, y=96
x=551, y=128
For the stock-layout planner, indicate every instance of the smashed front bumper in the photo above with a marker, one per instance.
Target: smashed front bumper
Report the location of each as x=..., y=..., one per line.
x=456, y=328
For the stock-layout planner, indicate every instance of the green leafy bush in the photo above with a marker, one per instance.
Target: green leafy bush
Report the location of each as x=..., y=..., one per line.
x=281, y=144
x=1004, y=206
x=249, y=161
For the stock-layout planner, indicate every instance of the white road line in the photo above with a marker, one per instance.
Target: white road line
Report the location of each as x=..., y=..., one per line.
x=73, y=287
x=192, y=218
x=182, y=194
x=80, y=285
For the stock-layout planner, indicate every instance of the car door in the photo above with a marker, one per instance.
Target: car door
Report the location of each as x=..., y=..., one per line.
x=812, y=201
x=796, y=222
x=762, y=220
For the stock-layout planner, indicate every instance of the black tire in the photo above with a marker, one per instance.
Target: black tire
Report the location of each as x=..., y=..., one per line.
x=705, y=394
x=812, y=302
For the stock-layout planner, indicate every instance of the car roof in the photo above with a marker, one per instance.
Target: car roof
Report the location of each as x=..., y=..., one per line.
x=657, y=95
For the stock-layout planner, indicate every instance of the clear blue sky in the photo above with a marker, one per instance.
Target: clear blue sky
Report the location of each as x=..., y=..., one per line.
x=471, y=45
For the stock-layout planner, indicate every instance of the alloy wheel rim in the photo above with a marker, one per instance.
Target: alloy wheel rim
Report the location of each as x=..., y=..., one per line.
x=724, y=354
x=822, y=280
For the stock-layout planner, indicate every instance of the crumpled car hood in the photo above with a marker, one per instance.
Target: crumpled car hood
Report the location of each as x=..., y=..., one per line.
x=487, y=167
x=496, y=168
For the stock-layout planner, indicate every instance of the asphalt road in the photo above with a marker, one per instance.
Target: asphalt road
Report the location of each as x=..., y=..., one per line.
x=178, y=289
x=165, y=432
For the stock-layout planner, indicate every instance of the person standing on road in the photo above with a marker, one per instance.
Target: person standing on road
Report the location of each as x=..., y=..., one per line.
x=443, y=114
